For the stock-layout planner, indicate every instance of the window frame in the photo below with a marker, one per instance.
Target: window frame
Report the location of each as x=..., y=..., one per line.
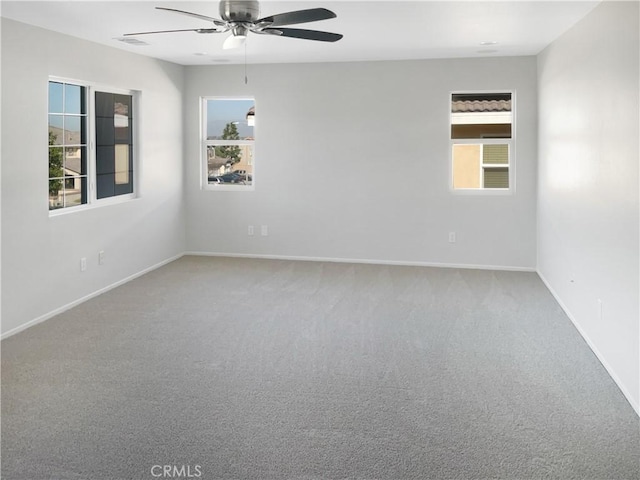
x=510, y=142
x=90, y=90
x=205, y=143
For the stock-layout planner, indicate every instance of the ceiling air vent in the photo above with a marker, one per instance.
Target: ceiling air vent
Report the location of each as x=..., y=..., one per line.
x=131, y=41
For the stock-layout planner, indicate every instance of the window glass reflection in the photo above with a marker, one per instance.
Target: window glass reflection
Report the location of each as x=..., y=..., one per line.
x=74, y=160
x=73, y=190
x=74, y=99
x=121, y=124
x=55, y=97
x=56, y=129
x=73, y=134
x=121, y=164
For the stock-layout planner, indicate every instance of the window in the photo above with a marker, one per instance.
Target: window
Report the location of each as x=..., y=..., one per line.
x=91, y=146
x=228, y=143
x=481, y=141
x=67, y=145
x=114, y=144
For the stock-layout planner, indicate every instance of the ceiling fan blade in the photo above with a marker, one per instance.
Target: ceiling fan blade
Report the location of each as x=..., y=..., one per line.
x=197, y=30
x=299, y=16
x=304, y=34
x=234, y=41
x=216, y=21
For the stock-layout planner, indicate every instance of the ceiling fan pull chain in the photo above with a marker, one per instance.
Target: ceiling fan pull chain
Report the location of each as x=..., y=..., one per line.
x=245, y=63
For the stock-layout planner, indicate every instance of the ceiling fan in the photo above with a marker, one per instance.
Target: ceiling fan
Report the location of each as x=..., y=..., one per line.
x=242, y=16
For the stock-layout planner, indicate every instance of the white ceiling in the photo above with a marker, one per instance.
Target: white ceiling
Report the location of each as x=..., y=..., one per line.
x=373, y=30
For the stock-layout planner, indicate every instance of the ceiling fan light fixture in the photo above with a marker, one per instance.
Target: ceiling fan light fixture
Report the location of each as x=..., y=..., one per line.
x=234, y=41
x=238, y=37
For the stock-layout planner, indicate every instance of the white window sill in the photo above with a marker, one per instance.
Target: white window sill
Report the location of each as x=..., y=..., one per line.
x=228, y=188
x=483, y=191
x=91, y=206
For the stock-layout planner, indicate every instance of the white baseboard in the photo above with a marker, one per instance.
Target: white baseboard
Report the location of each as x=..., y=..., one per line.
x=68, y=306
x=592, y=346
x=362, y=260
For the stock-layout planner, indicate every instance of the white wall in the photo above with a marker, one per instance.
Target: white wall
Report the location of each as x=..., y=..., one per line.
x=352, y=163
x=588, y=199
x=41, y=255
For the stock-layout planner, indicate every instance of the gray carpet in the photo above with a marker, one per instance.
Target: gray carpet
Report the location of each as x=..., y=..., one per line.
x=263, y=369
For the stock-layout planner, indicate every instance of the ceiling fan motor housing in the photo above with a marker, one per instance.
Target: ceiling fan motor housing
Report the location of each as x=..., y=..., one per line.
x=239, y=10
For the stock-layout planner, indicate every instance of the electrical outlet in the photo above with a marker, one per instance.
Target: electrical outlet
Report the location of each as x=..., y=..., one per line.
x=83, y=264
x=264, y=230
x=250, y=230
x=101, y=257
x=452, y=237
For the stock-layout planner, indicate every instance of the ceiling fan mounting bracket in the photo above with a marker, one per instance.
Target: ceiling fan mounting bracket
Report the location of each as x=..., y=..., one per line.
x=240, y=10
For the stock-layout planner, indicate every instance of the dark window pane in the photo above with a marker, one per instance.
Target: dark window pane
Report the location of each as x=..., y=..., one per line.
x=124, y=188
x=74, y=101
x=489, y=130
x=55, y=97
x=104, y=104
x=105, y=131
x=122, y=105
x=122, y=130
x=105, y=159
x=114, y=164
x=105, y=184
x=119, y=182
x=83, y=131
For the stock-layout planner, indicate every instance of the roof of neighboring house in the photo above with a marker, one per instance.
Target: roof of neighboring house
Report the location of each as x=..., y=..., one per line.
x=217, y=162
x=73, y=138
x=460, y=106
x=72, y=166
